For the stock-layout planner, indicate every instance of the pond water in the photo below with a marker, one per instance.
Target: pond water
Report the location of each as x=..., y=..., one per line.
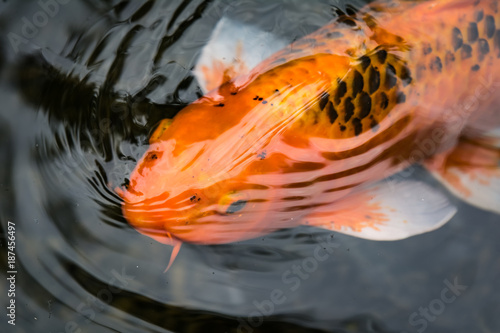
x=80, y=93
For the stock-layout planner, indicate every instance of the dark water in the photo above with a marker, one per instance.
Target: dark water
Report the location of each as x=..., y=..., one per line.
x=80, y=93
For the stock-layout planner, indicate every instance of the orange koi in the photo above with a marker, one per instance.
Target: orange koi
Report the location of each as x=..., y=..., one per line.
x=317, y=133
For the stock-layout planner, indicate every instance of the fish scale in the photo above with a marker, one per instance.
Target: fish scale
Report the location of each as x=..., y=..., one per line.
x=360, y=100
x=387, y=83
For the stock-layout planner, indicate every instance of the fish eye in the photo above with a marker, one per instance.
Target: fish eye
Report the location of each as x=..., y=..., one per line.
x=236, y=206
x=233, y=201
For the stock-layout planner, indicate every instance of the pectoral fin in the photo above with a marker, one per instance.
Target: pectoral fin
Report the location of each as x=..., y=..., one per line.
x=472, y=171
x=386, y=211
x=234, y=49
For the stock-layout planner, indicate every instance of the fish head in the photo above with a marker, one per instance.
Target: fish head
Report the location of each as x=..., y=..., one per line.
x=186, y=192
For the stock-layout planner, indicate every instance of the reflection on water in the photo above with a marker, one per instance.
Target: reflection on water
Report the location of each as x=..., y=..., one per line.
x=79, y=100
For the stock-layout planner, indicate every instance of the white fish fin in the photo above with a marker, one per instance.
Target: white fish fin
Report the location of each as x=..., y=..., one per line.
x=234, y=49
x=386, y=211
x=471, y=171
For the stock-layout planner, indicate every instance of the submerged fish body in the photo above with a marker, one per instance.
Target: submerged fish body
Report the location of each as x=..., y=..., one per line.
x=307, y=136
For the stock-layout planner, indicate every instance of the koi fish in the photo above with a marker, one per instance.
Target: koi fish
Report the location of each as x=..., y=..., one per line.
x=319, y=132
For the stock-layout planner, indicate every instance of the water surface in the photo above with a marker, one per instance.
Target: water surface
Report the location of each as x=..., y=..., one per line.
x=80, y=95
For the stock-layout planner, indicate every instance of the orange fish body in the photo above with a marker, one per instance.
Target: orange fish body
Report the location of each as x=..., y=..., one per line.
x=303, y=136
